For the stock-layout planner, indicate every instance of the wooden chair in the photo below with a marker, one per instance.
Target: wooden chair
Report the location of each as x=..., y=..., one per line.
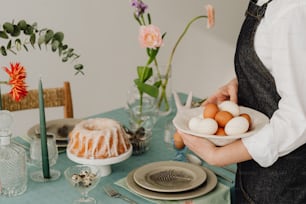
x=53, y=97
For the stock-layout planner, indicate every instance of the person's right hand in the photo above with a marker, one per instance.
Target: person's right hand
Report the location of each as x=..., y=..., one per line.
x=226, y=92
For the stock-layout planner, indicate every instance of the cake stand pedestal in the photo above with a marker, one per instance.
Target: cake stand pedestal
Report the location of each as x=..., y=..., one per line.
x=103, y=164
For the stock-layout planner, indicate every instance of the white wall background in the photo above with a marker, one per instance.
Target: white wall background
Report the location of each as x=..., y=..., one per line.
x=105, y=34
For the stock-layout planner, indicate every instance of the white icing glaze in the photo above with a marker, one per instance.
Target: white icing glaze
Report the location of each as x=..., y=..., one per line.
x=98, y=138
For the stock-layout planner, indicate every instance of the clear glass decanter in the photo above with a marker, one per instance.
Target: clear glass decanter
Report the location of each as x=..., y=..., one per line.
x=13, y=171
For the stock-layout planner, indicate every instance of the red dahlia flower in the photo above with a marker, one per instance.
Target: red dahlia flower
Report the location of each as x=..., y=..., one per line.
x=17, y=76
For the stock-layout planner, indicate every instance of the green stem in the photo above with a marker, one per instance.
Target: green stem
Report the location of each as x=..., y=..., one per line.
x=163, y=96
x=168, y=66
x=178, y=41
x=140, y=102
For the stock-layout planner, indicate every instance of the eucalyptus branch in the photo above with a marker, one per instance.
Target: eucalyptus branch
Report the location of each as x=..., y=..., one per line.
x=34, y=36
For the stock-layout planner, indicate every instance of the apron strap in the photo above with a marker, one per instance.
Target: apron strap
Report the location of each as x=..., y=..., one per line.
x=257, y=11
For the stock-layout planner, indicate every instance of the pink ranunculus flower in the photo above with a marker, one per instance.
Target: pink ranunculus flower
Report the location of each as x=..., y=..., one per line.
x=210, y=16
x=150, y=36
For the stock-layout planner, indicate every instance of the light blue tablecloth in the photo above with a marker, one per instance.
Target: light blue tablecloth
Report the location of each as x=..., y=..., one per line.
x=61, y=193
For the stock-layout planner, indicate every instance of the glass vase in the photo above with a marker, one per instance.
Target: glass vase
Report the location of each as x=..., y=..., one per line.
x=13, y=172
x=163, y=73
x=142, y=117
x=141, y=110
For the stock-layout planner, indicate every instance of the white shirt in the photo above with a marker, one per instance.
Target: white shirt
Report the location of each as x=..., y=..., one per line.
x=280, y=43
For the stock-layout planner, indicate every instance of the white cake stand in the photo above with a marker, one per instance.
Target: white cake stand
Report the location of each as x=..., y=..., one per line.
x=103, y=164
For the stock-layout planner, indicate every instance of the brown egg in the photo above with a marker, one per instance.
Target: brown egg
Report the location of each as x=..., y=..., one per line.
x=222, y=117
x=178, y=141
x=220, y=131
x=248, y=117
x=210, y=110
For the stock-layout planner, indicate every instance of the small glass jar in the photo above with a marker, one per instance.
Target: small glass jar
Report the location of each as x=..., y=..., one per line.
x=140, y=140
x=13, y=171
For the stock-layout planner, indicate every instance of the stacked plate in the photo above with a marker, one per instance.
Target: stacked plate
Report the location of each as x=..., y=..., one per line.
x=59, y=127
x=171, y=180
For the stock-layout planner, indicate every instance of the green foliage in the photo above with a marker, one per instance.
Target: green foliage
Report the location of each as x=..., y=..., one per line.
x=32, y=35
x=144, y=74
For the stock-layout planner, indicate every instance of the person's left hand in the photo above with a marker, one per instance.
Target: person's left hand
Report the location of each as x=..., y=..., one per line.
x=200, y=146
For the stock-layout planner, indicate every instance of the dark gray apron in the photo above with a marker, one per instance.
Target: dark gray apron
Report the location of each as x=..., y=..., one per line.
x=285, y=181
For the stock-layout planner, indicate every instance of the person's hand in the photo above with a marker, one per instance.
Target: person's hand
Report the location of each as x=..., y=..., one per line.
x=226, y=92
x=200, y=146
x=232, y=153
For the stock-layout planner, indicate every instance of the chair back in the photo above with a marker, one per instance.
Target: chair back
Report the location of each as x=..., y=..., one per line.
x=53, y=97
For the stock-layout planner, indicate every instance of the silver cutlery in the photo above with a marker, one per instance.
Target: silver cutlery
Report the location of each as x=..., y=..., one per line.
x=221, y=176
x=191, y=158
x=111, y=192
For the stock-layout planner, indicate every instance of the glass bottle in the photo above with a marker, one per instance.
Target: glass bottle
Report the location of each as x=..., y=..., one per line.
x=13, y=172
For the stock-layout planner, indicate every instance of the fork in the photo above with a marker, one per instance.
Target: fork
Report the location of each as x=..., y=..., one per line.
x=111, y=192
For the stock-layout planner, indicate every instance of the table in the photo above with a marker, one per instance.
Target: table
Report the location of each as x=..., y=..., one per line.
x=61, y=193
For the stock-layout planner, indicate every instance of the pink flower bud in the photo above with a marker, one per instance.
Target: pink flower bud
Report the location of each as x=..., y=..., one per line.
x=210, y=16
x=150, y=37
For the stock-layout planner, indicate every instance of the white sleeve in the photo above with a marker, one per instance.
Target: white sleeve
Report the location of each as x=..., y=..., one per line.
x=286, y=130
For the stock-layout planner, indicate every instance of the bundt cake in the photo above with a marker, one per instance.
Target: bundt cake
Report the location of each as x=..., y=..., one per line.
x=98, y=138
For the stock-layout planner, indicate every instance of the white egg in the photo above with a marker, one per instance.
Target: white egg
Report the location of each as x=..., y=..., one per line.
x=230, y=106
x=205, y=126
x=236, y=126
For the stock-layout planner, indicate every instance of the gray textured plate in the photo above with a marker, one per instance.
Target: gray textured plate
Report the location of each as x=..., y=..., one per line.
x=203, y=189
x=169, y=176
x=59, y=127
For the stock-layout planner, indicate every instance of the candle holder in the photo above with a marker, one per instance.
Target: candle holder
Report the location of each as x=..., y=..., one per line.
x=36, y=158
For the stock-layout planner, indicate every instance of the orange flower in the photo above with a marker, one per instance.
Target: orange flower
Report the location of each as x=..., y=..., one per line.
x=17, y=76
x=210, y=16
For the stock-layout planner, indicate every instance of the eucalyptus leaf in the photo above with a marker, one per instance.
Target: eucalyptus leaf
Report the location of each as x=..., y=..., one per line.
x=60, y=50
x=8, y=27
x=41, y=39
x=48, y=36
x=22, y=24
x=64, y=47
x=9, y=45
x=3, y=51
x=70, y=50
x=55, y=45
x=16, y=31
x=3, y=35
x=64, y=59
x=59, y=36
x=70, y=54
x=78, y=66
x=32, y=40
x=18, y=44
x=29, y=30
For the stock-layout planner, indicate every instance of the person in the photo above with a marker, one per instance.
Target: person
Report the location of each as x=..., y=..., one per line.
x=270, y=67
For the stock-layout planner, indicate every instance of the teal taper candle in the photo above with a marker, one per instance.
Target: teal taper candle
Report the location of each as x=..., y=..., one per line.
x=43, y=135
